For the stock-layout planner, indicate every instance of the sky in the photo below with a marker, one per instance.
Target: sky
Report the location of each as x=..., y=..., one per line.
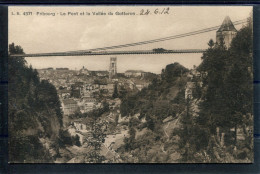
x=58, y=33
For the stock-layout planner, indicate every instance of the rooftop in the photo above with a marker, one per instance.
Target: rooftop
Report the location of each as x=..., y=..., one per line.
x=63, y=91
x=227, y=25
x=104, y=72
x=68, y=101
x=135, y=71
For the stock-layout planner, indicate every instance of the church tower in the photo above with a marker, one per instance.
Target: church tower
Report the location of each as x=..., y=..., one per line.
x=112, y=67
x=227, y=31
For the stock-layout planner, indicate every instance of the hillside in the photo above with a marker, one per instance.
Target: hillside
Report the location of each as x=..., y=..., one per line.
x=34, y=115
x=218, y=124
x=154, y=113
x=203, y=115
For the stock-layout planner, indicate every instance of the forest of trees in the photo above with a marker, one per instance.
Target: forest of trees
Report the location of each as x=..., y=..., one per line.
x=33, y=111
x=226, y=104
x=164, y=97
x=156, y=98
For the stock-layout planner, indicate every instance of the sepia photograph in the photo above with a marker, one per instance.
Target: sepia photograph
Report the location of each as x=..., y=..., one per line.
x=130, y=84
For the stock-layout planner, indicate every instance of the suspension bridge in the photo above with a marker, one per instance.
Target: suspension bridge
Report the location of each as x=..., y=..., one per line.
x=107, y=50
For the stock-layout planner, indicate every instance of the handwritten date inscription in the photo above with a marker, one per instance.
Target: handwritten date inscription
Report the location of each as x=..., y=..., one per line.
x=157, y=11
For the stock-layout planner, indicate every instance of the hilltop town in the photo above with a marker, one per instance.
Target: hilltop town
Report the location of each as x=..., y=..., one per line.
x=83, y=92
x=86, y=90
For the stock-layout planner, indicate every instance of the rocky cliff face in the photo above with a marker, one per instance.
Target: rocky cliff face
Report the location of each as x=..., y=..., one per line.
x=34, y=114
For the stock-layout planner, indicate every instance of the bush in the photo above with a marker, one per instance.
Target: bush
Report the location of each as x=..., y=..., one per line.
x=28, y=149
x=65, y=138
x=76, y=140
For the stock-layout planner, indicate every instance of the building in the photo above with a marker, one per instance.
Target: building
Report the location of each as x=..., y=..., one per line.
x=112, y=67
x=89, y=103
x=100, y=73
x=79, y=126
x=66, y=69
x=188, y=90
x=84, y=71
x=103, y=86
x=87, y=89
x=134, y=73
x=64, y=93
x=140, y=84
x=110, y=87
x=89, y=100
x=227, y=32
x=69, y=106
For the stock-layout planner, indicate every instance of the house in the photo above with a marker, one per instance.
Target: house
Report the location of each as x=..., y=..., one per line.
x=135, y=73
x=100, y=73
x=140, y=84
x=188, y=90
x=81, y=106
x=110, y=87
x=69, y=106
x=102, y=86
x=89, y=100
x=130, y=84
x=195, y=73
x=64, y=93
x=87, y=89
x=89, y=103
x=79, y=126
x=190, y=76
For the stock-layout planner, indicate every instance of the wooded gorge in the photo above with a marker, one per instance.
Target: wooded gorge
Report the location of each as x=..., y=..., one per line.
x=33, y=112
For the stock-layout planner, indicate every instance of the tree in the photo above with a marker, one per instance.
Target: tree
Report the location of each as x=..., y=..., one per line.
x=95, y=143
x=32, y=105
x=172, y=71
x=211, y=43
x=186, y=134
x=239, y=79
x=77, y=141
x=130, y=142
x=228, y=89
x=65, y=138
x=115, y=93
x=47, y=93
x=213, y=109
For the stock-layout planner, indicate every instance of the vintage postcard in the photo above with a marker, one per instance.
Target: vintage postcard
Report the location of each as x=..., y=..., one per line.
x=130, y=84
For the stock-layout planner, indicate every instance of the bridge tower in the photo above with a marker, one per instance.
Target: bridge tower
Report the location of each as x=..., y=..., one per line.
x=227, y=31
x=112, y=67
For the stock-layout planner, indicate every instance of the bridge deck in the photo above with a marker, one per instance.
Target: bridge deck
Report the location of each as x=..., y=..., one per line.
x=89, y=53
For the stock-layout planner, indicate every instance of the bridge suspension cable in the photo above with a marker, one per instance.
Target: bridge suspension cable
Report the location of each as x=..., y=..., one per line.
x=98, y=51
x=160, y=39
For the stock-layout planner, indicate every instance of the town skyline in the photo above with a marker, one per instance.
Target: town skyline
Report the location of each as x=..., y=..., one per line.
x=101, y=70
